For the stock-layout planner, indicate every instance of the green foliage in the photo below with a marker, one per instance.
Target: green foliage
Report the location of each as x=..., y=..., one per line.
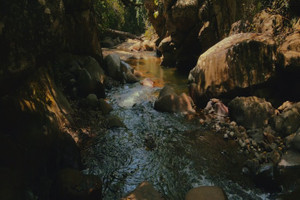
x=150, y=32
x=251, y=7
x=115, y=15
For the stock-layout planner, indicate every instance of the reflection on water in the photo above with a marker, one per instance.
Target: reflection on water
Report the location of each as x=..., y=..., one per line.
x=150, y=67
x=153, y=147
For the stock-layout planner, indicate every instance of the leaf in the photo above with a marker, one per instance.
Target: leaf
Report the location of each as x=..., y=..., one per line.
x=155, y=14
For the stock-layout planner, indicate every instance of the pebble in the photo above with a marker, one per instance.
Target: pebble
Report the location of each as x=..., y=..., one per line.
x=233, y=123
x=242, y=144
x=225, y=136
x=231, y=134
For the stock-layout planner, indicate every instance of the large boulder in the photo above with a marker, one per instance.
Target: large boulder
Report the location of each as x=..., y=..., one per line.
x=287, y=122
x=206, y=193
x=87, y=85
x=251, y=112
x=113, y=66
x=169, y=101
x=119, y=70
x=94, y=68
x=237, y=62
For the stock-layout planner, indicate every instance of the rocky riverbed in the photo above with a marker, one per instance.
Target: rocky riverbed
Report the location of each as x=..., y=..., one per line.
x=200, y=148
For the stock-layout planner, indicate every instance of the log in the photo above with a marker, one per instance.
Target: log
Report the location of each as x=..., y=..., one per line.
x=121, y=34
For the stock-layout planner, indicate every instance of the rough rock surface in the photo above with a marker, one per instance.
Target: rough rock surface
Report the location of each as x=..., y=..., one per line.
x=291, y=50
x=193, y=26
x=169, y=101
x=34, y=112
x=237, y=62
x=287, y=122
x=251, y=112
x=267, y=23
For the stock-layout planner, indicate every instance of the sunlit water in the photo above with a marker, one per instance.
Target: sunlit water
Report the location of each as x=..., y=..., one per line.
x=153, y=147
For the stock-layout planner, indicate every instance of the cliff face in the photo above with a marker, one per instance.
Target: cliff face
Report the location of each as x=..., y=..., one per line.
x=189, y=28
x=193, y=26
x=33, y=32
x=34, y=111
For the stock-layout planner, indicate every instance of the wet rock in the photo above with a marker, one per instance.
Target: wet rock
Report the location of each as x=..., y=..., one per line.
x=145, y=191
x=113, y=67
x=127, y=73
x=147, y=82
x=206, y=193
x=92, y=100
x=114, y=122
x=287, y=122
x=237, y=62
x=169, y=101
x=130, y=77
x=86, y=85
x=72, y=184
x=105, y=107
x=251, y=112
x=125, y=67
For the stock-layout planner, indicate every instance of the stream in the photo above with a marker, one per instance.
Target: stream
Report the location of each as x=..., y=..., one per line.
x=156, y=147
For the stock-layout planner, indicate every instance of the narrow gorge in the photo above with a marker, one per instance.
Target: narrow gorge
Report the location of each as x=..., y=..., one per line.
x=150, y=99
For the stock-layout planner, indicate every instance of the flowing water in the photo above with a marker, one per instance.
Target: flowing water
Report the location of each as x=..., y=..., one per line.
x=154, y=146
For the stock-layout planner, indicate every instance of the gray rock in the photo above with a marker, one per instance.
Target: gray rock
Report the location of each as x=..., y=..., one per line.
x=251, y=112
x=105, y=107
x=86, y=85
x=113, y=67
x=287, y=122
x=114, y=122
x=130, y=77
x=295, y=143
x=94, y=68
